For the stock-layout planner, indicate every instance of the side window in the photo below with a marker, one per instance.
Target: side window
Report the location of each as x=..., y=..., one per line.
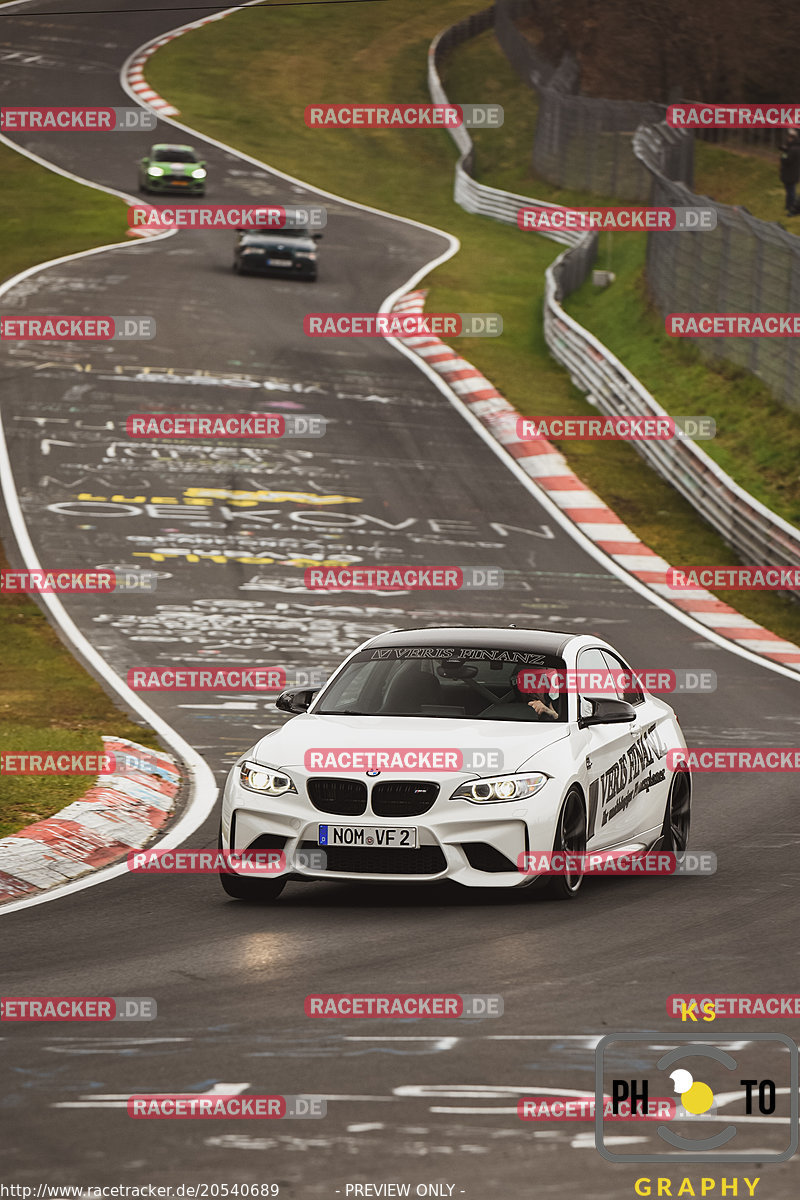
x=633, y=697
x=591, y=661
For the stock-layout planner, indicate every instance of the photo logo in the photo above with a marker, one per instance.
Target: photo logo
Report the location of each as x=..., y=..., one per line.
x=717, y=1093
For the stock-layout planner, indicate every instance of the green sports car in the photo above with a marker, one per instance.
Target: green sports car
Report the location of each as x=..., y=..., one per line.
x=172, y=169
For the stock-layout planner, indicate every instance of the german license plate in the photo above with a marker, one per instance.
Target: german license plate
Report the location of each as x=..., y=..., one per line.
x=279, y=262
x=373, y=837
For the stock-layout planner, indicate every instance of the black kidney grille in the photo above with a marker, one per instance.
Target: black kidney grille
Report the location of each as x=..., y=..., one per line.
x=403, y=797
x=344, y=797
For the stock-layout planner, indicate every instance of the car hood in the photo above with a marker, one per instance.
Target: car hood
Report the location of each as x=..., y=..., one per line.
x=286, y=747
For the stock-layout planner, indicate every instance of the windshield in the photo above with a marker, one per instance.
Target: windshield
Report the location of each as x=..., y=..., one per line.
x=171, y=155
x=281, y=233
x=476, y=683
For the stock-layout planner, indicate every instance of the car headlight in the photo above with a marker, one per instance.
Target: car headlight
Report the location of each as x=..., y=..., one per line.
x=305, y=254
x=156, y=171
x=199, y=173
x=265, y=780
x=504, y=787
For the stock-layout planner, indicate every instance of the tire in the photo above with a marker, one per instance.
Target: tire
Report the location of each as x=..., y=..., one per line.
x=254, y=891
x=678, y=814
x=571, y=837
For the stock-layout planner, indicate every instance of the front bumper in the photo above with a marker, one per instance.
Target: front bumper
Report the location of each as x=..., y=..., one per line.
x=256, y=264
x=474, y=845
x=193, y=187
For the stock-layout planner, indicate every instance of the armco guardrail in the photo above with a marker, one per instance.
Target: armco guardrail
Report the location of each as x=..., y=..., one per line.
x=756, y=533
x=742, y=265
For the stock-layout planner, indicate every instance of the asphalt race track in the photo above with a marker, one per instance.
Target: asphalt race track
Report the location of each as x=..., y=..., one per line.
x=427, y=1101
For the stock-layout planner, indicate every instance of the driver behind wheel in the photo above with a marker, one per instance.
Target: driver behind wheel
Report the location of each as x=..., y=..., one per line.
x=545, y=704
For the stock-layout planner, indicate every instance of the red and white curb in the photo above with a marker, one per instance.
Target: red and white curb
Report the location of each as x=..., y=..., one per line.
x=120, y=813
x=549, y=470
x=134, y=68
x=138, y=84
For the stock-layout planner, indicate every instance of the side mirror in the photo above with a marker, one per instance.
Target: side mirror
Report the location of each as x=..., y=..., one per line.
x=608, y=712
x=317, y=237
x=296, y=700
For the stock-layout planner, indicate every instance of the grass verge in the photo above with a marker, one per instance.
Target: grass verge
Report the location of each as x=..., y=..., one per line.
x=47, y=700
x=227, y=81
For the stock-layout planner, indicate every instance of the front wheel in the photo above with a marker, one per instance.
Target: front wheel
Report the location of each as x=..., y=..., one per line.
x=570, y=839
x=256, y=891
x=678, y=815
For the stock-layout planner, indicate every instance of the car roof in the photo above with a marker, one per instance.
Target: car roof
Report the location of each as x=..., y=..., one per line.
x=546, y=641
x=171, y=146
